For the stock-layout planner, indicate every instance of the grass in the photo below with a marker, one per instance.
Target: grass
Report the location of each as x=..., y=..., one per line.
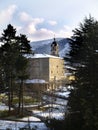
x=4, y=114
x=27, y=100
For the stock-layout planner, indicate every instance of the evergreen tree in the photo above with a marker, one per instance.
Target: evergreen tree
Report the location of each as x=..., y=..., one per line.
x=13, y=48
x=82, y=111
x=8, y=54
x=21, y=68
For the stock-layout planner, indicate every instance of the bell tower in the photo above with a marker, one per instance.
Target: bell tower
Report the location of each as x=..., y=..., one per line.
x=54, y=48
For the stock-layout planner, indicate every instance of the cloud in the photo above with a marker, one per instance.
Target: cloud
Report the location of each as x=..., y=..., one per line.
x=18, y=28
x=33, y=30
x=66, y=31
x=30, y=23
x=31, y=27
x=52, y=22
x=7, y=14
x=42, y=34
x=25, y=17
x=37, y=21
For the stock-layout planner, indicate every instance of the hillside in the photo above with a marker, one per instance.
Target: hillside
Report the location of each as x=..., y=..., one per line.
x=45, y=46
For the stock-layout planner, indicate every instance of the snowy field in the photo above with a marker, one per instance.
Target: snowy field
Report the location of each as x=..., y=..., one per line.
x=12, y=125
x=55, y=110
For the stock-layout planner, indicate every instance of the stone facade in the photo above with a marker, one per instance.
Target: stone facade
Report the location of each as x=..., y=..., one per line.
x=56, y=69
x=46, y=67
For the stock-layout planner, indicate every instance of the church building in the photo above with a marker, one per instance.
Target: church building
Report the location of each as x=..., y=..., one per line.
x=47, y=67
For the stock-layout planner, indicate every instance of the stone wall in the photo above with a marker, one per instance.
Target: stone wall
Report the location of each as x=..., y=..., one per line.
x=48, y=69
x=56, y=69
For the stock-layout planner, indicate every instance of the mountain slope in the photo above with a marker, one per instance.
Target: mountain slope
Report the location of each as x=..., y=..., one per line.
x=45, y=46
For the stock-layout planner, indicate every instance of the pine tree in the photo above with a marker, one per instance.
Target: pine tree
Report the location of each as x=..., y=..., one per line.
x=83, y=104
x=11, y=51
x=8, y=54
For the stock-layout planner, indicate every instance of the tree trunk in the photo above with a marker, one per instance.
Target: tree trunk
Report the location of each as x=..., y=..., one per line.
x=20, y=107
x=9, y=96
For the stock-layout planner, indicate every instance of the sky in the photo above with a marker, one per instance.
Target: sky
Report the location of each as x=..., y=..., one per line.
x=42, y=19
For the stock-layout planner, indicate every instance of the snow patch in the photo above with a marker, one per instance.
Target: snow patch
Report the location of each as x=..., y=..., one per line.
x=41, y=56
x=35, y=81
x=17, y=125
x=3, y=107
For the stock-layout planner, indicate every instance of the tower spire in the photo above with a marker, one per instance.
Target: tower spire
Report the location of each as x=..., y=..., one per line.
x=54, y=48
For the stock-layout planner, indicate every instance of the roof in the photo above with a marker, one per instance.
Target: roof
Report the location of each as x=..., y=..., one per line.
x=42, y=56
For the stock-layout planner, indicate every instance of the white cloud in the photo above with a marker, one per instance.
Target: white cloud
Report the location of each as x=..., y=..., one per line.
x=31, y=28
x=66, y=27
x=30, y=23
x=66, y=31
x=52, y=22
x=25, y=17
x=28, y=18
x=7, y=14
x=18, y=28
x=42, y=34
x=37, y=21
x=34, y=33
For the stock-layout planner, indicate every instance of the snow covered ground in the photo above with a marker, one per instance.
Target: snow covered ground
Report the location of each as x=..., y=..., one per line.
x=3, y=107
x=63, y=94
x=23, y=122
x=56, y=106
x=54, y=110
x=13, y=125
